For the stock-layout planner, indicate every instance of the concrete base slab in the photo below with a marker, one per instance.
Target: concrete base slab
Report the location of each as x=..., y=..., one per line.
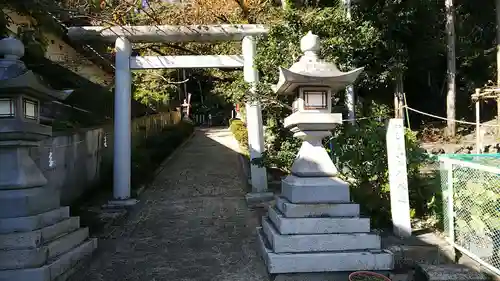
x=55, y=269
x=402, y=276
x=292, y=210
x=117, y=204
x=315, y=190
x=34, y=239
x=323, y=276
x=29, y=223
x=406, y=257
x=325, y=261
x=27, y=202
x=448, y=272
x=259, y=197
x=318, y=225
x=318, y=242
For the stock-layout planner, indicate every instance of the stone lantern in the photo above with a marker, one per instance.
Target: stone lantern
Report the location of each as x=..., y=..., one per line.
x=38, y=238
x=186, y=108
x=314, y=226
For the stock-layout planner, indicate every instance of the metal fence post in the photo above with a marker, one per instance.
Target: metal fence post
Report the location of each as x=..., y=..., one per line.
x=450, y=211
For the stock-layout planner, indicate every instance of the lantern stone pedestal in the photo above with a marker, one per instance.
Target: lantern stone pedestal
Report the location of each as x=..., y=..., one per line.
x=39, y=241
x=314, y=226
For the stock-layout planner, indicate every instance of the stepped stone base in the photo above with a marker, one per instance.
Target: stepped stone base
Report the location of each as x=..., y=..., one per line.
x=318, y=242
x=324, y=261
x=25, y=224
x=27, y=202
x=315, y=190
x=42, y=247
x=55, y=269
x=318, y=225
x=34, y=239
x=293, y=210
x=34, y=257
x=314, y=227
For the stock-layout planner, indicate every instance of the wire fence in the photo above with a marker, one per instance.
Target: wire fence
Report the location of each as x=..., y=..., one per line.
x=470, y=186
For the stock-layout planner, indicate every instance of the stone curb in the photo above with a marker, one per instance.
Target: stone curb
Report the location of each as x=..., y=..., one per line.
x=244, y=167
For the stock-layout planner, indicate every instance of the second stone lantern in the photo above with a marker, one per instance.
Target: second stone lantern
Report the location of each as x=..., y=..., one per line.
x=314, y=226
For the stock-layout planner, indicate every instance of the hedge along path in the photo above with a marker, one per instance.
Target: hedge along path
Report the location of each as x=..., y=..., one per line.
x=240, y=133
x=191, y=224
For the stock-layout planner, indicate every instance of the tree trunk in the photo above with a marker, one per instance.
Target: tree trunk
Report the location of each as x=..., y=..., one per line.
x=347, y=5
x=451, y=71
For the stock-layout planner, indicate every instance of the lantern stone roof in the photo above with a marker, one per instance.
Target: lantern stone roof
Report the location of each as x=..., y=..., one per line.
x=312, y=71
x=15, y=77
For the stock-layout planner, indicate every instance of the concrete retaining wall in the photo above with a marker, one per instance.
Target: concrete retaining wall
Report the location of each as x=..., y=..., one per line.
x=74, y=162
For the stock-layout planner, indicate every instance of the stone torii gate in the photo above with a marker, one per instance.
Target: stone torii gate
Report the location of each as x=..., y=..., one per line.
x=123, y=36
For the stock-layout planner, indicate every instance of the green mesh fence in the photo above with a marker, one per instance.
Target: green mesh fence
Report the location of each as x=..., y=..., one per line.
x=471, y=204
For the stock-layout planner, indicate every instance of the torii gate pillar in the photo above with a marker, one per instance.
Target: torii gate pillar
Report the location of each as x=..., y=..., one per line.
x=122, y=123
x=254, y=118
x=122, y=156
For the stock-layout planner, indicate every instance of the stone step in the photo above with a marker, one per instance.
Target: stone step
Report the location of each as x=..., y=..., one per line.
x=318, y=225
x=23, y=258
x=27, y=202
x=318, y=242
x=55, y=269
x=323, y=261
x=59, y=229
x=29, y=258
x=67, y=242
x=36, y=238
x=83, y=263
x=315, y=190
x=29, y=223
x=448, y=272
x=293, y=210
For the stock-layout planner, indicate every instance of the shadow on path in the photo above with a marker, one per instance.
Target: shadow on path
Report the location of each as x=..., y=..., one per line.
x=192, y=223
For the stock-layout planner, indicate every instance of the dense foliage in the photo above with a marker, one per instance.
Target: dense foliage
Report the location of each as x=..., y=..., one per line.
x=360, y=152
x=388, y=38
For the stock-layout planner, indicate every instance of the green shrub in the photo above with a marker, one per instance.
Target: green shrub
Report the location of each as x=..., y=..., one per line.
x=240, y=132
x=360, y=154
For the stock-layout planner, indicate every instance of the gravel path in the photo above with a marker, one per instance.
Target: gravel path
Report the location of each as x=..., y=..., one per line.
x=192, y=223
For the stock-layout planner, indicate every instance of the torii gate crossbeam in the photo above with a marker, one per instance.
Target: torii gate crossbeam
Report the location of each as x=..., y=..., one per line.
x=123, y=36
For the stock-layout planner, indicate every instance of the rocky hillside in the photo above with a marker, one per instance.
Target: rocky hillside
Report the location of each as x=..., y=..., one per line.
x=434, y=143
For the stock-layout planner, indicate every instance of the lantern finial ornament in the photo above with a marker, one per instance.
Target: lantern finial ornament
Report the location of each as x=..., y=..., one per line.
x=310, y=70
x=11, y=48
x=310, y=44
